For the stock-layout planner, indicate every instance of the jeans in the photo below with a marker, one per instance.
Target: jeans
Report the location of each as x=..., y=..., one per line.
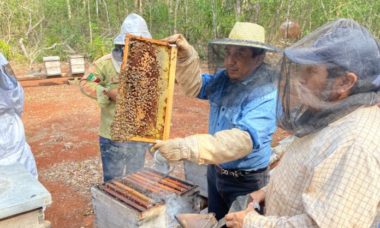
x=121, y=158
x=223, y=189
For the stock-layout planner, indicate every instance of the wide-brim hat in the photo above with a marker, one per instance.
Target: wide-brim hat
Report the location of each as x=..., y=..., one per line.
x=246, y=34
x=343, y=43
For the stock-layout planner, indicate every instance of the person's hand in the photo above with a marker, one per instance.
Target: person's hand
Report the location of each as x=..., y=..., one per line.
x=236, y=219
x=258, y=196
x=185, y=50
x=173, y=149
x=112, y=94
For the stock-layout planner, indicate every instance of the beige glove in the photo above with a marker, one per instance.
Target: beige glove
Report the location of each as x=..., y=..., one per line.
x=224, y=146
x=188, y=72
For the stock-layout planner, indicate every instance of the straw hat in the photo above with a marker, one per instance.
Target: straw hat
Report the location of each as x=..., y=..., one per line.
x=246, y=34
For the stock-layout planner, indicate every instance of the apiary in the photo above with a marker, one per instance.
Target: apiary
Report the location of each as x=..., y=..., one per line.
x=145, y=93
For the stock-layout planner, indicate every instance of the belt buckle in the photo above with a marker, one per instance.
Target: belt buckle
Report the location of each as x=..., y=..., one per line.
x=224, y=172
x=235, y=173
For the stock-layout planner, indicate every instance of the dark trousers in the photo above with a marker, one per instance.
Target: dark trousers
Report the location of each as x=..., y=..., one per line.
x=223, y=189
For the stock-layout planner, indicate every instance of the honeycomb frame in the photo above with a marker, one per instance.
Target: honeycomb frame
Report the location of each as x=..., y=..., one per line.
x=145, y=94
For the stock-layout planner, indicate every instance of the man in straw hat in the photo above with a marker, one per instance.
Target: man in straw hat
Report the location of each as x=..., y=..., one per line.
x=242, y=99
x=329, y=175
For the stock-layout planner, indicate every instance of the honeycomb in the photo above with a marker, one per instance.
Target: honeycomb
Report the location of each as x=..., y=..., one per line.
x=141, y=105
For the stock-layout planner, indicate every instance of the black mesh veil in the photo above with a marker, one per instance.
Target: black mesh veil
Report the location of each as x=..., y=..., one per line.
x=217, y=52
x=326, y=75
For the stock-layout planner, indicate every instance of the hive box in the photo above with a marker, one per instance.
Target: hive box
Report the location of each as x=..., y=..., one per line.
x=119, y=209
x=22, y=198
x=52, y=65
x=77, y=64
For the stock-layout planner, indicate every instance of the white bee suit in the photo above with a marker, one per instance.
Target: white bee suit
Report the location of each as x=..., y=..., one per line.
x=13, y=146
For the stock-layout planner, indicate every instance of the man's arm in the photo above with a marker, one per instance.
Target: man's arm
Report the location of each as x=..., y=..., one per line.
x=343, y=192
x=227, y=145
x=252, y=130
x=188, y=71
x=97, y=87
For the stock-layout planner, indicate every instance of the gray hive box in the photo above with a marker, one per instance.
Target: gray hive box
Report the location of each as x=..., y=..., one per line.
x=22, y=198
x=52, y=65
x=112, y=213
x=77, y=64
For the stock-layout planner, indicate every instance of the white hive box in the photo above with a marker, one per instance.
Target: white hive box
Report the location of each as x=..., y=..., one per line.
x=77, y=64
x=22, y=198
x=52, y=65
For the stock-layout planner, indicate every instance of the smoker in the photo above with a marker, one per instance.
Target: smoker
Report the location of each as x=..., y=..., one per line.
x=146, y=198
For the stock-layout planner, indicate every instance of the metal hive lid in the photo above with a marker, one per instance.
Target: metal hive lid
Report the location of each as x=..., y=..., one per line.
x=20, y=192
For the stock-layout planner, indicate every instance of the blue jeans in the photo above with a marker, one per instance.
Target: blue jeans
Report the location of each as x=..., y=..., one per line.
x=223, y=189
x=121, y=158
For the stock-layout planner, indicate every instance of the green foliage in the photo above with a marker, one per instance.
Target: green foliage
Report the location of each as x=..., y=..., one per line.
x=5, y=49
x=90, y=25
x=98, y=48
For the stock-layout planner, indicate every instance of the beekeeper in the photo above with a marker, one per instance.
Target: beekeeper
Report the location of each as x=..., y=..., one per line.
x=13, y=146
x=242, y=96
x=118, y=158
x=330, y=174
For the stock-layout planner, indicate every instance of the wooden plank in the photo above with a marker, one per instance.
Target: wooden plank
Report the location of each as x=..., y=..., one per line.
x=31, y=219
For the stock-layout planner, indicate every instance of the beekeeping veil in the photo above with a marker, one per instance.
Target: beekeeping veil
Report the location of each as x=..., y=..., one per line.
x=309, y=94
x=133, y=24
x=242, y=34
x=13, y=147
x=7, y=77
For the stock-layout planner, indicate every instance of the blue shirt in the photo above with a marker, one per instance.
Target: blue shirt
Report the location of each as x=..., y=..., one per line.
x=249, y=105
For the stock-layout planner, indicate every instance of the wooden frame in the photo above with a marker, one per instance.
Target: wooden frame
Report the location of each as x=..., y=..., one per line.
x=167, y=55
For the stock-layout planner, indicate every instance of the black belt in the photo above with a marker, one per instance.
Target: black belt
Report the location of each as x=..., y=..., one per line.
x=237, y=172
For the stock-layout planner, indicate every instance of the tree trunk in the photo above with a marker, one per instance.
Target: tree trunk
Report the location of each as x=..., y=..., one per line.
x=214, y=25
x=175, y=16
x=68, y=9
x=107, y=15
x=186, y=16
x=150, y=15
x=136, y=3
x=140, y=7
x=170, y=16
x=238, y=10
x=89, y=20
x=97, y=8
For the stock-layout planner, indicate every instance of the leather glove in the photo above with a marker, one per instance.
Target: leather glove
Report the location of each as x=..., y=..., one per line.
x=224, y=146
x=176, y=149
x=188, y=71
x=185, y=50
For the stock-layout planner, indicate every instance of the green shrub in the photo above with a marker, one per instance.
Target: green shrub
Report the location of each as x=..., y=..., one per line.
x=5, y=49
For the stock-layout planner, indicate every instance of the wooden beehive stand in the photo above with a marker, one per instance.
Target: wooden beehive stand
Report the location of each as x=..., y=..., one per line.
x=145, y=93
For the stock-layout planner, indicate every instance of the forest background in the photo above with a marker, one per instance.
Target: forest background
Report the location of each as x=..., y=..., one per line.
x=31, y=29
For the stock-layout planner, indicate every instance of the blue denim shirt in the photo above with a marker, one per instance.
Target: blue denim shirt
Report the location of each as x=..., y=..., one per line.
x=249, y=105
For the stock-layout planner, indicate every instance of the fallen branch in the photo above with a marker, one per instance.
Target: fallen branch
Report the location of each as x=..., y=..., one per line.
x=31, y=28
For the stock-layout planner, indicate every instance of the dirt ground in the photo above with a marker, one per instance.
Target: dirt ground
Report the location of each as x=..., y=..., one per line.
x=61, y=127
